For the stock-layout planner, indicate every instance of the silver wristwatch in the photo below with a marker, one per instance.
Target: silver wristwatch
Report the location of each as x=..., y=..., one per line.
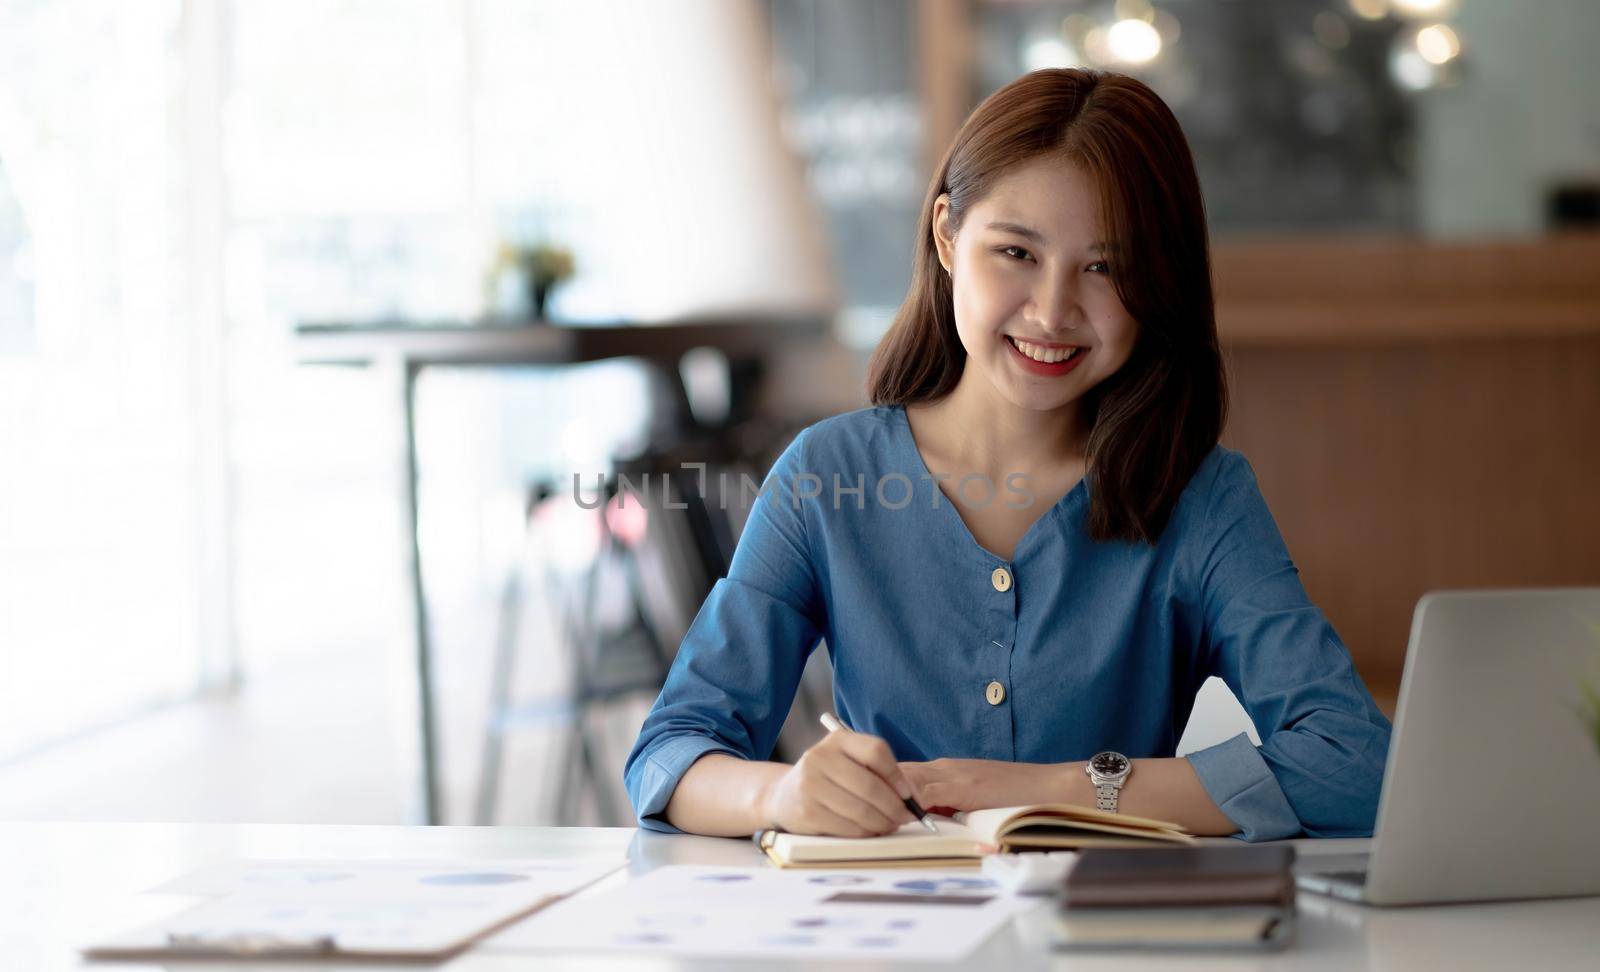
x=1108, y=771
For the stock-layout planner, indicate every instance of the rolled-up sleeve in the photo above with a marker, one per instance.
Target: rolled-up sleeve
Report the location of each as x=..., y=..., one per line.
x=736, y=673
x=1324, y=741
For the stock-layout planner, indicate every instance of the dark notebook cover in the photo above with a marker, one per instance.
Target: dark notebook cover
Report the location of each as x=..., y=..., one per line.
x=1181, y=877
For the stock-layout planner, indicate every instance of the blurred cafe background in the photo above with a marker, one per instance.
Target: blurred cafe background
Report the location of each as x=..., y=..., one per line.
x=312, y=310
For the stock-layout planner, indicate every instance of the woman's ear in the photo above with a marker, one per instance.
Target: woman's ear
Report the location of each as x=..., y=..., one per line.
x=943, y=240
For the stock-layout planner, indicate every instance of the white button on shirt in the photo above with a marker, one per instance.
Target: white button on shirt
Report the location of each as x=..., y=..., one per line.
x=1001, y=578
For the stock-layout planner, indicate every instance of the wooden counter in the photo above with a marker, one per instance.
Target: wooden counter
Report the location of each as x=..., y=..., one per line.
x=1419, y=416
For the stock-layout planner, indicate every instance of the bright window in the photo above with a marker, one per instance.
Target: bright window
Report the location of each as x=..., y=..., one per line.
x=100, y=521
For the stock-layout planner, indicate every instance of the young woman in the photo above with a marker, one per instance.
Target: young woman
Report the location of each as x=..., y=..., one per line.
x=1030, y=553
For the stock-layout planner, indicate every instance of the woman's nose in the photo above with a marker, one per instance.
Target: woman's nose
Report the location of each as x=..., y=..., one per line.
x=1055, y=304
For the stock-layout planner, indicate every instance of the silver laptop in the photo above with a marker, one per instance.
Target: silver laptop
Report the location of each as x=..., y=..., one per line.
x=1492, y=790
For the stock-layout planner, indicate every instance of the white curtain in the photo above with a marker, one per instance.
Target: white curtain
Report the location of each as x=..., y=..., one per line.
x=103, y=421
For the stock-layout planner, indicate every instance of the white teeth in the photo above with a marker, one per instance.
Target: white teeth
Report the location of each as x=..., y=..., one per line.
x=1044, y=355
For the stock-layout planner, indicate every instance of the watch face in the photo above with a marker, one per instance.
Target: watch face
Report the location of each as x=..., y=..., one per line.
x=1109, y=764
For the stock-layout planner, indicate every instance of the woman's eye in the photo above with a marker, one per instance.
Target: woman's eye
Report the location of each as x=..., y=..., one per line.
x=1099, y=266
x=1015, y=252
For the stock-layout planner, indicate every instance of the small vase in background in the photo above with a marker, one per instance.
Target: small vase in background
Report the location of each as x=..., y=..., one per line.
x=540, y=268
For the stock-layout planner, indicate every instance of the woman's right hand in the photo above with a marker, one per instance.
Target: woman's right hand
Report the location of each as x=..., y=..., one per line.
x=847, y=785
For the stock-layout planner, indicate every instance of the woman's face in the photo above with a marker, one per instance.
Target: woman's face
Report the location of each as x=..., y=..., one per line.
x=1031, y=286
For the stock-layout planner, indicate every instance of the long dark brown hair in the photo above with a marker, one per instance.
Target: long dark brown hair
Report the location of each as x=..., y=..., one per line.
x=1154, y=421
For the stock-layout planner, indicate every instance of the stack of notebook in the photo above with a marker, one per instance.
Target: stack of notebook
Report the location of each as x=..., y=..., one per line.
x=1186, y=897
x=967, y=837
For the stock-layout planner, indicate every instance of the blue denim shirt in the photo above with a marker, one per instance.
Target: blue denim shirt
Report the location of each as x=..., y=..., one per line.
x=1097, y=645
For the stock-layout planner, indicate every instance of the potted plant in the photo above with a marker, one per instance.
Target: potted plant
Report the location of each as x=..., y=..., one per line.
x=540, y=267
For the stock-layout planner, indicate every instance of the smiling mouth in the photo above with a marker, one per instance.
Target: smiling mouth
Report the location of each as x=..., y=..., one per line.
x=1044, y=354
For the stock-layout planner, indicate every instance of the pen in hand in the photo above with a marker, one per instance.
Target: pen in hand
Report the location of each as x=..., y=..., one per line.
x=834, y=725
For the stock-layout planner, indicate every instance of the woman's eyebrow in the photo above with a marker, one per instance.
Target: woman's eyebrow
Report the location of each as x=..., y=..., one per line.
x=1033, y=234
x=1018, y=229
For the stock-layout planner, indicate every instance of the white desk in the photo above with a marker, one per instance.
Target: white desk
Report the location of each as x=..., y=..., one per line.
x=64, y=884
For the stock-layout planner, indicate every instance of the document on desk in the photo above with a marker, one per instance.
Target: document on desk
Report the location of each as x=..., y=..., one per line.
x=763, y=912
x=372, y=909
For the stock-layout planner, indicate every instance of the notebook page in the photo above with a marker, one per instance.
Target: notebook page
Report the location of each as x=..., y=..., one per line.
x=910, y=841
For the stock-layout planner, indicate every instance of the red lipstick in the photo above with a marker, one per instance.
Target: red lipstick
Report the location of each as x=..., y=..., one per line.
x=1054, y=370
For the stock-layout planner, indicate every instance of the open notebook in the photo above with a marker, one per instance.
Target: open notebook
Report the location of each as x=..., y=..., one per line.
x=967, y=837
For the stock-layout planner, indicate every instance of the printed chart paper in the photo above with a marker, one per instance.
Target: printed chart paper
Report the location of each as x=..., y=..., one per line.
x=365, y=907
x=763, y=912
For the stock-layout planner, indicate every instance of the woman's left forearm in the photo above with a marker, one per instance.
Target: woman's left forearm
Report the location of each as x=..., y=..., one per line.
x=1162, y=789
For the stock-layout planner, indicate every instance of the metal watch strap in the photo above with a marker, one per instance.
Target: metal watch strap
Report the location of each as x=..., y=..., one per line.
x=1105, y=796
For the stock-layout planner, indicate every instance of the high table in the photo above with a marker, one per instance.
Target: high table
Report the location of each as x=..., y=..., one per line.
x=405, y=349
x=65, y=884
